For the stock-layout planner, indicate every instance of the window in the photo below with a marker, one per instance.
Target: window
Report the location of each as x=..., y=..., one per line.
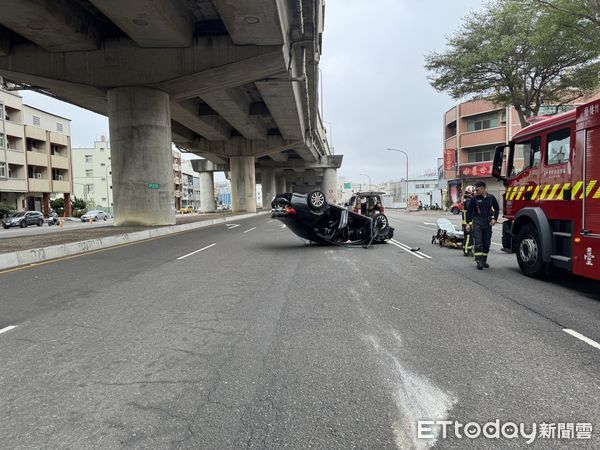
x=482, y=122
x=89, y=173
x=558, y=148
x=103, y=179
x=531, y=155
x=89, y=159
x=419, y=186
x=481, y=154
x=2, y=170
x=549, y=110
x=36, y=121
x=503, y=116
x=89, y=188
x=59, y=127
x=1, y=140
x=102, y=164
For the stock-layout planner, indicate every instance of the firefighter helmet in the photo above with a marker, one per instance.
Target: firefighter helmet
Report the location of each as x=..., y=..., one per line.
x=470, y=190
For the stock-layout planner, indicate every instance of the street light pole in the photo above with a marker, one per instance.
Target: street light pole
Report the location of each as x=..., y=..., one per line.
x=405, y=154
x=364, y=175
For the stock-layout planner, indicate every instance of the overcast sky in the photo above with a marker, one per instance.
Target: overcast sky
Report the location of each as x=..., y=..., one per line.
x=375, y=89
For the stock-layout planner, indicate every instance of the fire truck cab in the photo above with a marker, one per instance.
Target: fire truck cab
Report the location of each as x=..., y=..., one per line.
x=551, y=170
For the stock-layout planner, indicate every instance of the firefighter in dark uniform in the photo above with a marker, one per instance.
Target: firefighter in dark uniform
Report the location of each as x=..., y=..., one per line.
x=483, y=211
x=467, y=238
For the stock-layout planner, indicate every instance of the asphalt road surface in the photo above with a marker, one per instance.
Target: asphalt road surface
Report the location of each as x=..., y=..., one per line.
x=246, y=337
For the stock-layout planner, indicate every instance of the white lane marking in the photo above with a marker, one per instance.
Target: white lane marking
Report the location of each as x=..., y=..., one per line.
x=269, y=221
x=499, y=245
x=283, y=226
x=429, y=223
x=11, y=327
x=583, y=338
x=427, y=228
x=232, y=225
x=197, y=251
x=408, y=248
x=248, y=231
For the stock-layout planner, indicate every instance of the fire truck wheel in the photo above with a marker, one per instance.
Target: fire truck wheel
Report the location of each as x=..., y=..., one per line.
x=529, y=252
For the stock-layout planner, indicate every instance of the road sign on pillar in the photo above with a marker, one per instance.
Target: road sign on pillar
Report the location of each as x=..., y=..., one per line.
x=153, y=185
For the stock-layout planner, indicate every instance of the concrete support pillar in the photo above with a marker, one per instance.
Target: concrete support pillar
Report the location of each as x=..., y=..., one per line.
x=142, y=162
x=243, y=183
x=46, y=203
x=289, y=187
x=268, y=187
x=281, y=185
x=67, y=197
x=207, y=192
x=329, y=185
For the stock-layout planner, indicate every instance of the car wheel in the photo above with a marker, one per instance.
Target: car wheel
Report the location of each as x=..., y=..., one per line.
x=455, y=211
x=96, y=219
x=382, y=223
x=23, y=224
x=104, y=218
x=40, y=223
x=316, y=200
x=5, y=227
x=529, y=252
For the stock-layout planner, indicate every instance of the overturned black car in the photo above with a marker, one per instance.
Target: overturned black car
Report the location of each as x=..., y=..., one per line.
x=310, y=217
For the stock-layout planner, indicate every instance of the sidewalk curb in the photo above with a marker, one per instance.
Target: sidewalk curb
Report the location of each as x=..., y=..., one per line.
x=37, y=255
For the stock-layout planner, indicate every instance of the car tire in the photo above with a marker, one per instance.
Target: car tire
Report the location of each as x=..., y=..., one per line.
x=40, y=223
x=5, y=227
x=316, y=201
x=96, y=219
x=529, y=252
x=104, y=218
x=382, y=224
x=23, y=224
x=455, y=211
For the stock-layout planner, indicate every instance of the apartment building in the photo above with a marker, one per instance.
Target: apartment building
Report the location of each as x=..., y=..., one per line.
x=472, y=131
x=178, y=179
x=92, y=176
x=190, y=197
x=35, y=155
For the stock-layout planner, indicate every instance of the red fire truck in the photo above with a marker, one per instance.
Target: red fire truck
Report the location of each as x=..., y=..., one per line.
x=551, y=170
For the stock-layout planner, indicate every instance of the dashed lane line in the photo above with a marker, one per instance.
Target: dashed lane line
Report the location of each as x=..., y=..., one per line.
x=9, y=328
x=407, y=250
x=418, y=252
x=231, y=226
x=197, y=251
x=248, y=231
x=583, y=338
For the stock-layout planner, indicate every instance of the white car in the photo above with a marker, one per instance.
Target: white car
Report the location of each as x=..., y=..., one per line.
x=95, y=215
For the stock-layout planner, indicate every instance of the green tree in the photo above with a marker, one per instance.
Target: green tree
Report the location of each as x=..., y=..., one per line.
x=78, y=203
x=5, y=209
x=515, y=52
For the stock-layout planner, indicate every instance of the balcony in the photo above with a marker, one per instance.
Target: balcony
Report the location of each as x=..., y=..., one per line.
x=37, y=159
x=483, y=137
x=451, y=142
x=60, y=139
x=59, y=162
x=61, y=186
x=13, y=184
x=16, y=157
x=35, y=133
x=39, y=185
x=13, y=129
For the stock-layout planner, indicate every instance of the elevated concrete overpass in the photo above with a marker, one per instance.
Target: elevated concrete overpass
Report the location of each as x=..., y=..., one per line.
x=235, y=82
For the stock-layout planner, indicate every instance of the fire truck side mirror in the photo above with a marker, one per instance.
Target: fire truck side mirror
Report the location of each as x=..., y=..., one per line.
x=498, y=163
